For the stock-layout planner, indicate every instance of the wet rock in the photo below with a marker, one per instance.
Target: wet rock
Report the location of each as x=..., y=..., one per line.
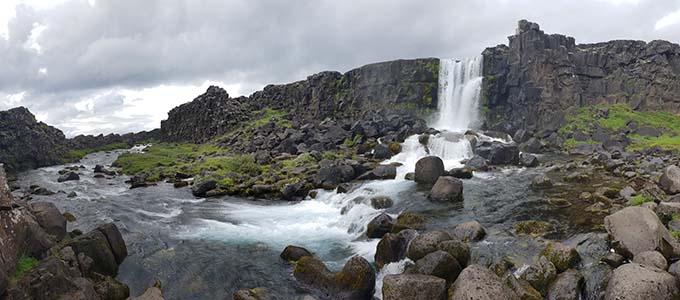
x=462, y=173
x=458, y=249
x=541, y=182
x=293, y=190
x=329, y=177
x=533, y=145
x=567, y=286
x=440, y=264
x=562, y=256
x=409, y=220
x=613, y=259
x=95, y=246
x=381, y=202
x=356, y=280
x=413, y=287
x=559, y=202
x=379, y=226
x=51, y=279
x=424, y=139
x=635, y=229
x=381, y=151
x=41, y=191
x=381, y=172
x=70, y=176
x=528, y=160
x=669, y=181
x=180, y=184
x=201, y=187
x=540, y=274
x=521, y=136
x=577, y=177
x=101, y=169
x=426, y=243
x=392, y=247
x=447, y=189
x=138, y=180
x=410, y=176
x=250, y=294
x=533, y=227
x=469, y=231
x=152, y=293
x=477, y=163
x=429, y=169
x=521, y=287
x=111, y=289
x=651, y=259
x=294, y=253
x=596, y=278
x=477, y=282
x=48, y=216
x=498, y=153
x=633, y=281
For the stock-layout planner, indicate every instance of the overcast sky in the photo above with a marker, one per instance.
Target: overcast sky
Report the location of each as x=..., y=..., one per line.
x=101, y=66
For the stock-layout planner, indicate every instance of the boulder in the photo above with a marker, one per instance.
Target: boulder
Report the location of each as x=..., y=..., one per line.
x=613, y=259
x=328, y=177
x=111, y=289
x=477, y=163
x=68, y=177
x=429, y=169
x=469, y=231
x=382, y=151
x=540, y=274
x=413, y=287
x=201, y=187
x=356, y=280
x=458, y=249
x=381, y=172
x=562, y=256
x=115, y=239
x=675, y=269
x=634, y=281
x=379, y=226
x=48, y=216
x=479, y=283
x=294, y=253
x=499, y=153
x=96, y=246
x=651, y=259
x=392, y=247
x=533, y=145
x=567, y=286
x=521, y=287
x=409, y=220
x=426, y=243
x=596, y=277
x=666, y=210
x=440, y=264
x=447, y=189
x=670, y=180
x=636, y=229
x=462, y=173
x=541, y=182
x=521, y=136
x=528, y=160
x=381, y=202
x=51, y=279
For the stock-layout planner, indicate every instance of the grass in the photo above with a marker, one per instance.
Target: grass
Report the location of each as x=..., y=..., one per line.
x=163, y=157
x=354, y=141
x=266, y=115
x=24, y=264
x=639, y=199
x=675, y=234
x=300, y=161
x=619, y=115
x=80, y=153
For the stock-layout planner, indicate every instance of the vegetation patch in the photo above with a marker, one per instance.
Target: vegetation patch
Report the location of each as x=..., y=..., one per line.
x=585, y=119
x=639, y=199
x=24, y=264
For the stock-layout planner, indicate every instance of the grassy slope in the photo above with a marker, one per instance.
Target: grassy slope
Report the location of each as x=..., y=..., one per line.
x=619, y=115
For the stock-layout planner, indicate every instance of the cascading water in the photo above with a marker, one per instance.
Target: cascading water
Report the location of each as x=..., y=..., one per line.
x=460, y=83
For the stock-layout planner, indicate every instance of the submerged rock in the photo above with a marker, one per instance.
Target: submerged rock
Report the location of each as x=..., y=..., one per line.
x=541, y=182
x=533, y=227
x=294, y=253
x=70, y=176
x=379, y=226
x=469, y=231
x=462, y=173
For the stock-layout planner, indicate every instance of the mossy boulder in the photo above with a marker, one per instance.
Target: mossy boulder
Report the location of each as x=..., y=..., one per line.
x=562, y=256
x=409, y=220
x=426, y=243
x=541, y=182
x=540, y=274
x=356, y=280
x=294, y=253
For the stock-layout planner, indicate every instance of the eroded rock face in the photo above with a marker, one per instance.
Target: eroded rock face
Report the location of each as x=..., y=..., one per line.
x=531, y=83
x=477, y=282
x=634, y=281
x=413, y=287
x=636, y=229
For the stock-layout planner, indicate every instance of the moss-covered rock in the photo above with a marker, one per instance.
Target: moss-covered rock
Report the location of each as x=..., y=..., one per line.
x=562, y=256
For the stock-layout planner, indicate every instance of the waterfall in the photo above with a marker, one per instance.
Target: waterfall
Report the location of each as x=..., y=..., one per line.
x=460, y=83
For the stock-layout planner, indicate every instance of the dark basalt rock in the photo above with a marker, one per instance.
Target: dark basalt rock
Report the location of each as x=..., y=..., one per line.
x=535, y=81
x=429, y=169
x=294, y=253
x=70, y=176
x=392, y=247
x=440, y=264
x=356, y=280
x=379, y=226
x=447, y=189
x=499, y=153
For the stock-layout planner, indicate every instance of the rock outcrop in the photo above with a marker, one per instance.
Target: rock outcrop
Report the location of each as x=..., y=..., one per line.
x=393, y=87
x=533, y=81
x=26, y=143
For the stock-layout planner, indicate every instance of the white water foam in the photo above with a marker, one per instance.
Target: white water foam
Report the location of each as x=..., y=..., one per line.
x=460, y=83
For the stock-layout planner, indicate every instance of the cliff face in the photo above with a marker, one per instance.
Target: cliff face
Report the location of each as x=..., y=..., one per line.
x=95, y=141
x=534, y=81
x=26, y=143
x=401, y=86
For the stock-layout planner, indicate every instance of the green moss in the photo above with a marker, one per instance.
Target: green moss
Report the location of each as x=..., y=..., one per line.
x=264, y=116
x=330, y=155
x=571, y=143
x=639, y=199
x=354, y=141
x=24, y=264
x=304, y=159
x=675, y=234
x=433, y=67
x=585, y=118
x=163, y=158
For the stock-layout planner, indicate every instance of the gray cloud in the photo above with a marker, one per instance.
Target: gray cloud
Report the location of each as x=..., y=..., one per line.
x=129, y=44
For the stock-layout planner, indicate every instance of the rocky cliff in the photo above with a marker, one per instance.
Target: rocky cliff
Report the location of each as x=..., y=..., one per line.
x=532, y=82
x=26, y=143
x=401, y=86
x=97, y=141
